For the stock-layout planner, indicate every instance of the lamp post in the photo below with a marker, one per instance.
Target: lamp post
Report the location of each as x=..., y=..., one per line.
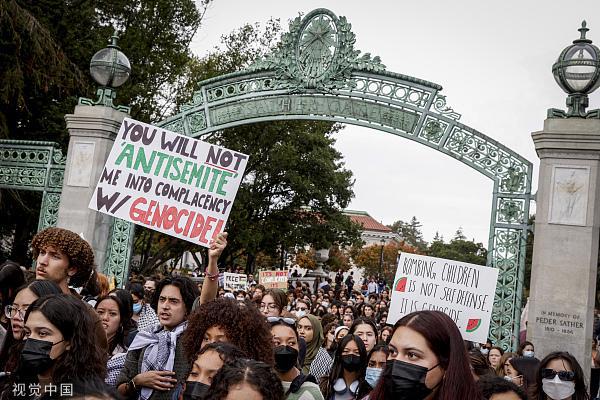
x=110, y=68
x=577, y=72
x=382, y=241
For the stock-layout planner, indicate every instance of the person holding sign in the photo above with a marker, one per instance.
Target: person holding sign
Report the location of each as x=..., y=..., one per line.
x=427, y=360
x=156, y=365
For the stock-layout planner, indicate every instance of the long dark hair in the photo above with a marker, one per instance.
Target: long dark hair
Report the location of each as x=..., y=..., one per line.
x=125, y=322
x=365, y=388
x=526, y=367
x=11, y=277
x=522, y=347
x=85, y=359
x=11, y=350
x=257, y=374
x=337, y=369
x=444, y=339
x=581, y=392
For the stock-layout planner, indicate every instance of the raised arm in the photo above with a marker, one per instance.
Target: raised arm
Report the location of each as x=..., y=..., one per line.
x=210, y=286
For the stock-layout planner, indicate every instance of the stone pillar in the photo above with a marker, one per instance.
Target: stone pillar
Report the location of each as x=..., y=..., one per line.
x=565, y=252
x=92, y=131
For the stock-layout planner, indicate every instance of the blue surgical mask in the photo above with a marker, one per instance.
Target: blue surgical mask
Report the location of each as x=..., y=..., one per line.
x=137, y=308
x=528, y=353
x=372, y=376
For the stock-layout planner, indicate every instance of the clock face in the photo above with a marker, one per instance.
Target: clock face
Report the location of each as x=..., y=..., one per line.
x=317, y=46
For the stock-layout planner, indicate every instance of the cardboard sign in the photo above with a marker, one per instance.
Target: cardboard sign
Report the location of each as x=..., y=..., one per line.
x=169, y=182
x=463, y=291
x=273, y=279
x=234, y=282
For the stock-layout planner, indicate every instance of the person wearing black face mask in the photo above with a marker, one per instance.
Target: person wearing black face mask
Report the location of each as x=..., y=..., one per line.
x=296, y=385
x=209, y=361
x=348, y=370
x=427, y=360
x=59, y=346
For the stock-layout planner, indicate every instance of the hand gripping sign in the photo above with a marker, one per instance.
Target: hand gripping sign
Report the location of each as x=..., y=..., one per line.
x=463, y=291
x=169, y=182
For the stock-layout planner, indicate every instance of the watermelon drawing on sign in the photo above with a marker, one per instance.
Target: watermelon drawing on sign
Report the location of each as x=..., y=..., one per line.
x=400, y=285
x=473, y=324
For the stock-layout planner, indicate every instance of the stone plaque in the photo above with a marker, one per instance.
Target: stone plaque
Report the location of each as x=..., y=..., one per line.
x=569, y=195
x=80, y=167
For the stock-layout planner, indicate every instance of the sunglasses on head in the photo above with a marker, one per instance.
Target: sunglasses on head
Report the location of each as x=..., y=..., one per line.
x=548, y=373
x=277, y=320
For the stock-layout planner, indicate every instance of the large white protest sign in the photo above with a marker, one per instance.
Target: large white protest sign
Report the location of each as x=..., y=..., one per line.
x=463, y=291
x=169, y=182
x=234, y=282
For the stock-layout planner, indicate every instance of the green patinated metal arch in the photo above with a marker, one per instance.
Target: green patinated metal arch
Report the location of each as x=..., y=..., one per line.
x=315, y=73
x=37, y=166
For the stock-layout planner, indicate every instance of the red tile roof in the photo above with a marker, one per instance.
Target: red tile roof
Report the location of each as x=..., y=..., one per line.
x=366, y=221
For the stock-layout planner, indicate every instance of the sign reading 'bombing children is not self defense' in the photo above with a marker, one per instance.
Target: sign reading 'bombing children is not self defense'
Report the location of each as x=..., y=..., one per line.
x=169, y=182
x=463, y=291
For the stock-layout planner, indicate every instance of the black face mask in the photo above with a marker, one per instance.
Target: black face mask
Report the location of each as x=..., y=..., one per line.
x=35, y=356
x=195, y=390
x=286, y=358
x=405, y=381
x=351, y=363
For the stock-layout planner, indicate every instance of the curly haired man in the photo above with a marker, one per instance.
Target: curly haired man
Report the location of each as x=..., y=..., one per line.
x=63, y=257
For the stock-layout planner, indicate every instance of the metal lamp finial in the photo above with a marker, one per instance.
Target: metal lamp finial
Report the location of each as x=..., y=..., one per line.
x=113, y=40
x=110, y=68
x=577, y=72
x=583, y=30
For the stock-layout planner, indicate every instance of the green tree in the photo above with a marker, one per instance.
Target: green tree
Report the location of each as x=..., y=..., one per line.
x=459, y=249
x=410, y=232
x=45, y=50
x=370, y=258
x=295, y=185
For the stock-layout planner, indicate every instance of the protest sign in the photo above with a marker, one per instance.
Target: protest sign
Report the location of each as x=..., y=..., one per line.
x=463, y=291
x=273, y=279
x=234, y=282
x=169, y=182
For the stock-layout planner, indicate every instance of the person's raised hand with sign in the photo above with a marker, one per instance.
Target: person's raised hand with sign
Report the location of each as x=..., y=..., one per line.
x=210, y=286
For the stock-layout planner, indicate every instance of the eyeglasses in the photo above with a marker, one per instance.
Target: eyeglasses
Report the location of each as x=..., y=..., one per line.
x=271, y=306
x=276, y=320
x=11, y=311
x=548, y=373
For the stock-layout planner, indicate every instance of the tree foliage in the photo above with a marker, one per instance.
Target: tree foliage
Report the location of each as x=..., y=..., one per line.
x=370, y=258
x=45, y=50
x=459, y=249
x=295, y=183
x=410, y=232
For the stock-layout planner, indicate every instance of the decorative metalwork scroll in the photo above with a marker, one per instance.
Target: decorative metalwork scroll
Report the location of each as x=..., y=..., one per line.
x=119, y=250
x=38, y=166
x=316, y=73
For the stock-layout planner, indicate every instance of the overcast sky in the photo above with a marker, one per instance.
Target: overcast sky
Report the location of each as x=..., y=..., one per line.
x=494, y=62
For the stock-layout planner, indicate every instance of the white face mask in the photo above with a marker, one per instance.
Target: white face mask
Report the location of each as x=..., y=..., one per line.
x=484, y=351
x=300, y=313
x=528, y=353
x=557, y=389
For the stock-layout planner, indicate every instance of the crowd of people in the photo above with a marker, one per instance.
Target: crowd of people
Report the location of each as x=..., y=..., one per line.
x=65, y=334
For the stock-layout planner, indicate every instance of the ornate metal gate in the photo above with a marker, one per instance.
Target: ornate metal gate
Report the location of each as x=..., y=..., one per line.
x=315, y=73
x=38, y=166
